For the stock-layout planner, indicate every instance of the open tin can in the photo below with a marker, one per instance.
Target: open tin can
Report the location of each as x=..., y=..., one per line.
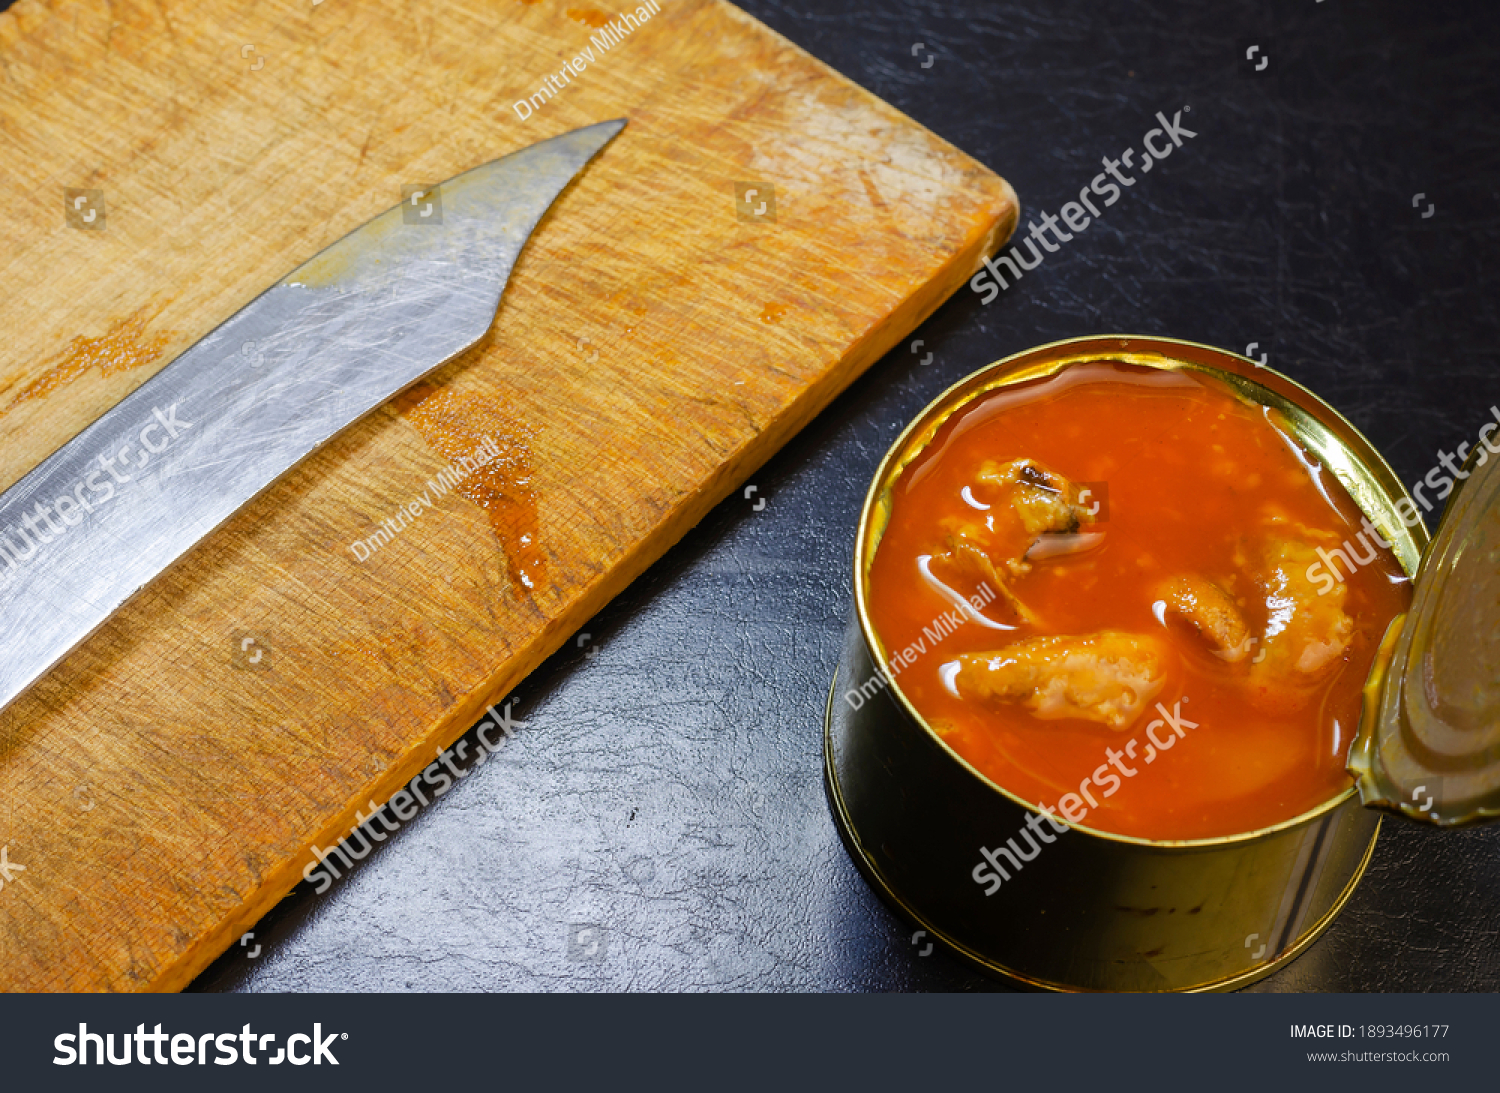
x=1101, y=911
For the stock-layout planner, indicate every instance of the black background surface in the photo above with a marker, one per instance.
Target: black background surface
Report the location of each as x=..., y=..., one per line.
x=667, y=786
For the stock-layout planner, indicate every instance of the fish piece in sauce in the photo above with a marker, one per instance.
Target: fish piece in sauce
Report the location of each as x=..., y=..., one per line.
x=1043, y=501
x=1208, y=609
x=1107, y=677
x=1306, y=633
x=967, y=568
x=1027, y=503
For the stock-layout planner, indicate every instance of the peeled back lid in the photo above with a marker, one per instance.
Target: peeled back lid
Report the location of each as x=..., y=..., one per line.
x=1428, y=745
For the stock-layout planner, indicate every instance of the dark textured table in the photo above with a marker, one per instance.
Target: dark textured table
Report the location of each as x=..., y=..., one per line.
x=660, y=821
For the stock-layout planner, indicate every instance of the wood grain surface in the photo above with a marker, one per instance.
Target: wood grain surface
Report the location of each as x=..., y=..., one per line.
x=164, y=786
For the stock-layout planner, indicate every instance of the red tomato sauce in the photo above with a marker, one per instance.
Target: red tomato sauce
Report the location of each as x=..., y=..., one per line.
x=1183, y=475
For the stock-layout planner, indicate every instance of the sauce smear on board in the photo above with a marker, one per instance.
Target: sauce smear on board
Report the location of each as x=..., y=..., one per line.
x=1162, y=650
x=455, y=426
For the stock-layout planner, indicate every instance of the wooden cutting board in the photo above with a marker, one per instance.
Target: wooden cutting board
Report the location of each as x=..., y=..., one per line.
x=660, y=338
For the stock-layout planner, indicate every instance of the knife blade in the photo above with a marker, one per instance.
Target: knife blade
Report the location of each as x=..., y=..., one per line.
x=340, y=335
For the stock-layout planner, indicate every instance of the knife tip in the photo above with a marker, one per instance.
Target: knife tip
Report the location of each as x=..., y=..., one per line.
x=593, y=137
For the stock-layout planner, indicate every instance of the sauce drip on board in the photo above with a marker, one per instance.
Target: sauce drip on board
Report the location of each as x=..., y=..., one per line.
x=122, y=348
x=589, y=17
x=454, y=425
x=1186, y=486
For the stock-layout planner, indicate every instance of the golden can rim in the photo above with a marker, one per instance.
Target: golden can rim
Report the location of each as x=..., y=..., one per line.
x=1377, y=486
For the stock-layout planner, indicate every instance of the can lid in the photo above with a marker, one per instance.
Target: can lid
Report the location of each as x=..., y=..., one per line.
x=1428, y=745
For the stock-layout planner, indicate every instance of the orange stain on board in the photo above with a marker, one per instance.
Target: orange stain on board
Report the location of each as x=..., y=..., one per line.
x=122, y=348
x=773, y=313
x=589, y=17
x=454, y=426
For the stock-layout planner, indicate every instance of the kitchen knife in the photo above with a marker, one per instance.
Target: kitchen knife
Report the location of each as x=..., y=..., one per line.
x=337, y=337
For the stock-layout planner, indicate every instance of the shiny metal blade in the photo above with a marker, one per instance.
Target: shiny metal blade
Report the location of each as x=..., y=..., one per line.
x=342, y=334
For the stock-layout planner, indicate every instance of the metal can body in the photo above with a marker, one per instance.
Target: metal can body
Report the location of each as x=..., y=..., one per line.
x=1078, y=909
